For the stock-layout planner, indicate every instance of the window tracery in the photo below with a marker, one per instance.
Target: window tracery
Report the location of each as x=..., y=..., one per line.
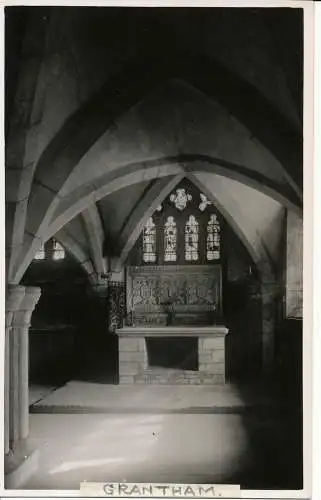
x=180, y=198
x=204, y=202
x=184, y=229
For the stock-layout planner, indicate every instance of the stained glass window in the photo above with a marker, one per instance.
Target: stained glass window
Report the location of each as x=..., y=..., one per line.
x=40, y=253
x=184, y=229
x=58, y=251
x=170, y=240
x=180, y=198
x=149, y=241
x=204, y=202
x=213, y=239
x=191, y=239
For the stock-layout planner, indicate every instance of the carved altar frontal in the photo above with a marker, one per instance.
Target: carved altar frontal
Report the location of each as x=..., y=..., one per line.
x=190, y=293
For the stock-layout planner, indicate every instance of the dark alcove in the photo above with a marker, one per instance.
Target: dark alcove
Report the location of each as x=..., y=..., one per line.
x=172, y=352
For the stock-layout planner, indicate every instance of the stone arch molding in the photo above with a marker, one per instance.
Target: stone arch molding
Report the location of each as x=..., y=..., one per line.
x=95, y=234
x=79, y=254
x=79, y=201
x=178, y=171
x=84, y=129
x=234, y=215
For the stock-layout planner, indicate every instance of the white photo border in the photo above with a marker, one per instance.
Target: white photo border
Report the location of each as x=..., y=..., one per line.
x=312, y=239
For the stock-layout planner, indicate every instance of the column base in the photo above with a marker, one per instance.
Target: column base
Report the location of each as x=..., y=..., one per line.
x=20, y=465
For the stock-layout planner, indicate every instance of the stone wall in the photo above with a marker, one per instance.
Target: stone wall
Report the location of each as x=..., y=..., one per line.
x=294, y=266
x=134, y=367
x=132, y=359
x=288, y=355
x=58, y=336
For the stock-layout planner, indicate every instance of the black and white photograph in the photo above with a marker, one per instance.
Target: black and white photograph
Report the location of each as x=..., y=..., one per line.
x=155, y=191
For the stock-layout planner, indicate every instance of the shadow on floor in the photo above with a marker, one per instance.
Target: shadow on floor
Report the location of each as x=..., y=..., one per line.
x=274, y=428
x=275, y=434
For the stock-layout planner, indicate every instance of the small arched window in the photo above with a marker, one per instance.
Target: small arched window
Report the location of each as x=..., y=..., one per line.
x=191, y=239
x=58, y=251
x=40, y=253
x=213, y=244
x=149, y=241
x=170, y=240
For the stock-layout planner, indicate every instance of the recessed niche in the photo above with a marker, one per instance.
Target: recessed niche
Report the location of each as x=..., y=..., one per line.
x=172, y=352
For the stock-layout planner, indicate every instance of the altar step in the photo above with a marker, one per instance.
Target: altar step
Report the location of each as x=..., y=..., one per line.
x=168, y=376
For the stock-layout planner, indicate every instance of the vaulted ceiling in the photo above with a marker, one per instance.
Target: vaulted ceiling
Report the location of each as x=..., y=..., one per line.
x=116, y=106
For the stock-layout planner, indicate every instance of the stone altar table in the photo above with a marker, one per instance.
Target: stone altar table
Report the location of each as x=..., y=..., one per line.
x=135, y=354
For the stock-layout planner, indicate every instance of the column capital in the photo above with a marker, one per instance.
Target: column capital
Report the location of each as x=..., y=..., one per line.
x=117, y=274
x=24, y=300
x=98, y=286
x=31, y=298
x=22, y=316
x=101, y=289
x=14, y=297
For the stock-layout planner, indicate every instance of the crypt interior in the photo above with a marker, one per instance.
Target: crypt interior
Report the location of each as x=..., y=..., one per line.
x=154, y=243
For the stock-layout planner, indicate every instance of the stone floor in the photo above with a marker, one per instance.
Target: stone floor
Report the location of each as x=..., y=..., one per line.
x=98, y=432
x=38, y=392
x=95, y=398
x=177, y=448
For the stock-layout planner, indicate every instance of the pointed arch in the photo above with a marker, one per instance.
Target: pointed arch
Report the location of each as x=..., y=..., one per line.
x=78, y=252
x=126, y=176
x=144, y=209
x=257, y=252
x=88, y=123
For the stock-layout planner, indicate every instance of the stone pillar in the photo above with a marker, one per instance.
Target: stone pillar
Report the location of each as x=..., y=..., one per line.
x=294, y=266
x=14, y=297
x=19, y=366
x=99, y=293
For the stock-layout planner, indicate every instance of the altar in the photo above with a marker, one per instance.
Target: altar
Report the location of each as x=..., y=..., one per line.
x=173, y=333
x=172, y=355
